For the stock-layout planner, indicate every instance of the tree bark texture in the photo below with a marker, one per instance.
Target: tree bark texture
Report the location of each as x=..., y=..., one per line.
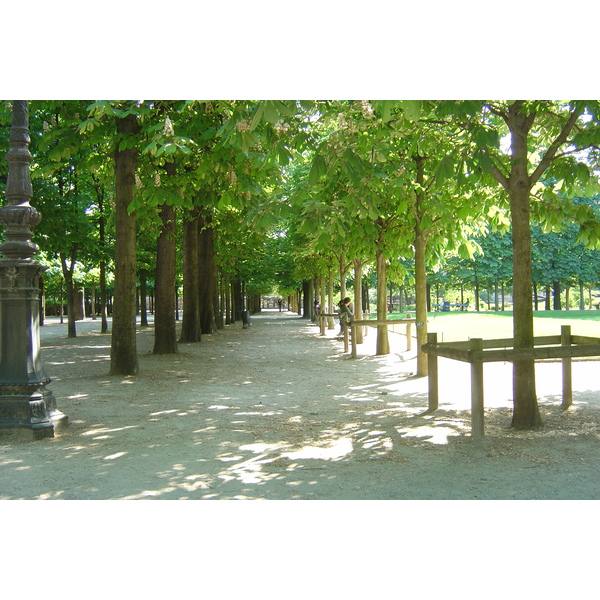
x=343, y=271
x=237, y=301
x=526, y=412
x=143, y=297
x=123, y=354
x=330, y=301
x=165, y=337
x=307, y=298
x=358, y=302
x=191, y=331
x=421, y=297
x=228, y=304
x=67, y=271
x=383, y=343
x=207, y=269
x=421, y=291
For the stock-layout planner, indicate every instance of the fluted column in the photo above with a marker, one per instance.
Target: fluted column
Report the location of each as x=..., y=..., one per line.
x=27, y=407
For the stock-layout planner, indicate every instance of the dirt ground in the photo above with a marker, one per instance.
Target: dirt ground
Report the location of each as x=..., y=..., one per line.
x=276, y=411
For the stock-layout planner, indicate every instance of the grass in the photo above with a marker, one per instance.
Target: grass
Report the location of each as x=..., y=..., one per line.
x=453, y=326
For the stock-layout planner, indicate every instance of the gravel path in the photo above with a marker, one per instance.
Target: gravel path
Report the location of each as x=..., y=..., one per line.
x=278, y=412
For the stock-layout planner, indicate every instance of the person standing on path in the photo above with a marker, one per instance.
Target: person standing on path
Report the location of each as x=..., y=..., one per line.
x=345, y=314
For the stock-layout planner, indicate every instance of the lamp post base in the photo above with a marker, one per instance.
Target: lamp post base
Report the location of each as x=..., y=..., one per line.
x=29, y=416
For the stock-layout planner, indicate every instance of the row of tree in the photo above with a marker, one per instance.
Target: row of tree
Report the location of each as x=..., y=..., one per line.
x=559, y=263
x=328, y=187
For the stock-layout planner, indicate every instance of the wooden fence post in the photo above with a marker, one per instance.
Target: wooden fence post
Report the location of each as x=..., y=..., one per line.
x=432, y=372
x=476, y=391
x=565, y=340
x=353, y=339
x=408, y=335
x=346, y=327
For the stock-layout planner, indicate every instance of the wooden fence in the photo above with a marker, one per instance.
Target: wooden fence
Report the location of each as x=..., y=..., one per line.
x=354, y=325
x=478, y=351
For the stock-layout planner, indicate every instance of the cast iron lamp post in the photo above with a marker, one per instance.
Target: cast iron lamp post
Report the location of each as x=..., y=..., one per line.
x=27, y=407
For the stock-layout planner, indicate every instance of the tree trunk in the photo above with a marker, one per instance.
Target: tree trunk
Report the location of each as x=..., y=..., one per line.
x=103, y=299
x=123, y=354
x=237, y=299
x=93, y=300
x=67, y=271
x=496, y=303
x=420, y=269
x=358, y=303
x=102, y=241
x=421, y=300
x=526, y=412
x=222, y=295
x=165, y=336
x=556, y=305
x=343, y=271
x=307, y=298
x=228, y=304
x=191, y=331
x=330, y=302
x=143, y=297
x=383, y=343
x=207, y=275
x=323, y=300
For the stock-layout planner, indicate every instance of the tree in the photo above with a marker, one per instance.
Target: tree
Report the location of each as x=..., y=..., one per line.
x=64, y=192
x=545, y=138
x=165, y=337
x=191, y=331
x=123, y=357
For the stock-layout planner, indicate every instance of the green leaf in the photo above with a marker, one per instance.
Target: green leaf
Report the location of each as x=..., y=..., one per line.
x=248, y=140
x=209, y=134
x=317, y=170
x=412, y=109
x=384, y=108
x=353, y=159
x=257, y=117
x=227, y=199
x=445, y=169
x=283, y=155
x=271, y=113
x=150, y=148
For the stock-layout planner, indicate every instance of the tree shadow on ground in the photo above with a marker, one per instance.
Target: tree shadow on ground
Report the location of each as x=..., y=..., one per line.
x=179, y=434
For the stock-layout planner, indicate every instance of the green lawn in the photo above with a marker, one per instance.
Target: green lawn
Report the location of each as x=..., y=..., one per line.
x=453, y=326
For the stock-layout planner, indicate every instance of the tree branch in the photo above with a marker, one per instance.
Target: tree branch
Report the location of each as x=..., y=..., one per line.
x=558, y=142
x=497, y=111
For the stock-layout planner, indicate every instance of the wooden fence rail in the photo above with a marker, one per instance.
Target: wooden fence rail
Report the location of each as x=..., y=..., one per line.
x=478, y=351
x=355, y=324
